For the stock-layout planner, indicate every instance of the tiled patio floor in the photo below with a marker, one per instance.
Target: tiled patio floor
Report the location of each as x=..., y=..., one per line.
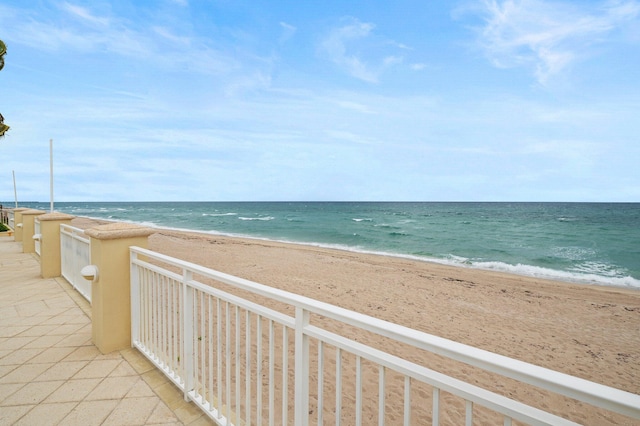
x=51, y=373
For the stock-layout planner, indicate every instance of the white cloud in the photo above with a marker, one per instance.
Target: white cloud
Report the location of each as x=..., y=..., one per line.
x=105, y=34
x=567, y=157
x=548, y=36
x=335, y=45
x=157, y=45
x=49, y=38
x=392, y=60
x=355, y=48
x=288, y=31
x=169, y=35
x=248, y=83
x=315, y=145
x=355, y=106
x=186, y=108
x=350, y=137
x=85, y=15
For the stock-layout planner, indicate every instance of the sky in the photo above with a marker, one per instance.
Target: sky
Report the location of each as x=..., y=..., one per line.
x=220, y=100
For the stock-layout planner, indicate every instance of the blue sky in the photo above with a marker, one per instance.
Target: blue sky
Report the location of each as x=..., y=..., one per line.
x=335, y=100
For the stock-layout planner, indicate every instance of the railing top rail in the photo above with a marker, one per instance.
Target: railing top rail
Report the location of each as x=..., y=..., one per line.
x=70, y=228
x=596, y=394
x=75, y=233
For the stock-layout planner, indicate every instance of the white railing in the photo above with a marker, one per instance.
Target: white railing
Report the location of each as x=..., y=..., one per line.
x=75, y=253
x=287, y=359
x=36, y=229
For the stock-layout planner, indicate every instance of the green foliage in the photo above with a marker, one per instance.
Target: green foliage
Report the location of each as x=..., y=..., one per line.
x=3, y=127
x=3, y=51
x=3, y=227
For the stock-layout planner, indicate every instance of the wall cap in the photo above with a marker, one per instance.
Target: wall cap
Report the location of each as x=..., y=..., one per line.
x=32, y=212
x=55, y=216
x=113, y=231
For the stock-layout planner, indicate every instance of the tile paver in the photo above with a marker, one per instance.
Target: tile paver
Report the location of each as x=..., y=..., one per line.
x=89, y=413
x=10, y=331
x=113, y=388
x=50, y=355
x=83, y=353
x=140, y=389
x=73, y=390
x=25, y=373
x=44, y=341
x=98, y=368
x=76, y=339
x=7, y=389
x=11, y=343
x=61, y=371
x=10, y=415
x=6, y=369
x=32, y=393
x=123, y=369
x=46, y=414
x=19, y=356
x=132, y=411
x=68, y=329
x=51, y=373
x=161, y=415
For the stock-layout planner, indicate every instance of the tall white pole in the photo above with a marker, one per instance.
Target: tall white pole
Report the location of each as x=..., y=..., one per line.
x=15, y=192
x=51, y=171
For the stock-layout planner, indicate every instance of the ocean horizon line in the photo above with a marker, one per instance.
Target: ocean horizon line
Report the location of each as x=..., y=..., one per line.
x=323, y=201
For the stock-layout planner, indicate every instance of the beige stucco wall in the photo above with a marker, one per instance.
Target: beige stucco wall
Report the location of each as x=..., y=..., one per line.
x=28, y=229
x=110, y=293
x=50, y=265
x=17, y=220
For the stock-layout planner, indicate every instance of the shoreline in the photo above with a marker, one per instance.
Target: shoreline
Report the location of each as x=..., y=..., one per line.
x=587, y=331
x=503, y=268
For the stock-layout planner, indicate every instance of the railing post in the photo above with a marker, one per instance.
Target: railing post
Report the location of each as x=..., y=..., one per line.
x=37, y=237
x=111, y=288
x=135, y=299
x=28, y=229
x=50, y=261
x=301, y=368
x=187, y=333
x=435, y=420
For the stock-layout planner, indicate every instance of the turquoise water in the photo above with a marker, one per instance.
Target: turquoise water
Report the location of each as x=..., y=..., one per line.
x=576, y=242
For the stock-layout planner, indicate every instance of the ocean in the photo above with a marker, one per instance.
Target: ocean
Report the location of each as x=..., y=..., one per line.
x=592, y=243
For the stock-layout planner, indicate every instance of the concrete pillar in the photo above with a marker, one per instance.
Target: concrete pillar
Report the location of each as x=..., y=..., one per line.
x=50, y=265
x=17, y=223
x=110, y=290
x=28, y=229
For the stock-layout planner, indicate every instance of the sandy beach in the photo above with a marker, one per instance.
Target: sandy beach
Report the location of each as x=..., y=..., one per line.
x=592, y=332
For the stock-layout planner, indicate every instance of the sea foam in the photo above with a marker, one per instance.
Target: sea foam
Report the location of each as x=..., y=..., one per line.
x=554, y=274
